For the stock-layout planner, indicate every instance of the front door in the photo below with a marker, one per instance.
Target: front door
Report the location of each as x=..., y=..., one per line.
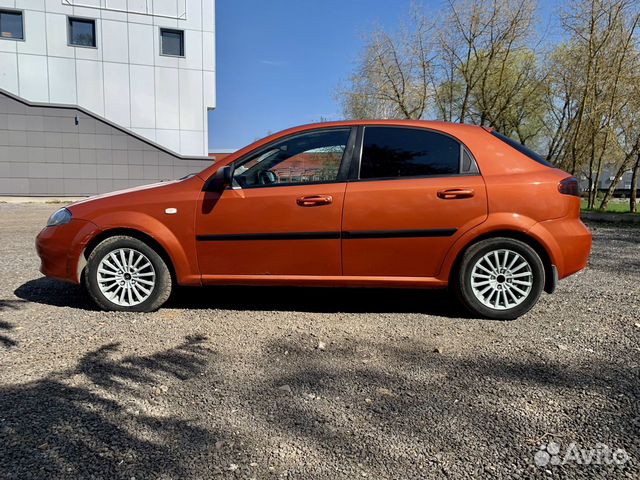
x=283, y=213
x=417, y=191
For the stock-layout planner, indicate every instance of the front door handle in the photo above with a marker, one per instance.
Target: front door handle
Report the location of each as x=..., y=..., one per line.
x=314, y=200
x=453, y=193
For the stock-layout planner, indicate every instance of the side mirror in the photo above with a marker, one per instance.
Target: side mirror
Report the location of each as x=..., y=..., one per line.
x=219, y=180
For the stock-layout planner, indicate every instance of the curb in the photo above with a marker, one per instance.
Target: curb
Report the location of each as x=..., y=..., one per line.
x=611, y=217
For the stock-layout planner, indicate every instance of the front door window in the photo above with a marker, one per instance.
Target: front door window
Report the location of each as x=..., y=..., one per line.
x=304, y=159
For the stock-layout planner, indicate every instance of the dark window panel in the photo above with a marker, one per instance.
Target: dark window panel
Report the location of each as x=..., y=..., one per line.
x=82, y=32
x=172, y=42
x=11, y=25
x=391, y=152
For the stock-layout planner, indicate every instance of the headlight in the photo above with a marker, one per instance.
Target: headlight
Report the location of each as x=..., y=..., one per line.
x=60, y=217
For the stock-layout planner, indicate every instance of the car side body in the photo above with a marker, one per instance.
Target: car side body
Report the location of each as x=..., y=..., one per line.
x=389, y=232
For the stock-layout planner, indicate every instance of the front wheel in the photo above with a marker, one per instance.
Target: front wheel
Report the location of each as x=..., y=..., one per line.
x=125, y=274
x=500, y=278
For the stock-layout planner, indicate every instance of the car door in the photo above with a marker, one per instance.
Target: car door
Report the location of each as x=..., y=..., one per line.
x=283, y=212
x=414, y=193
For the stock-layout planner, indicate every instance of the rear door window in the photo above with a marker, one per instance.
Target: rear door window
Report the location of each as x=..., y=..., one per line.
x=393, y=152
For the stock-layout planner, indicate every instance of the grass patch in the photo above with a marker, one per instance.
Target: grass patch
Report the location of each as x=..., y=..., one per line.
x=615, y=205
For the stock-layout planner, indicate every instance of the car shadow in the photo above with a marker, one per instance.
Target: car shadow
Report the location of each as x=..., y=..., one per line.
x=52, y=292
x=285, y=299
x=319, y=300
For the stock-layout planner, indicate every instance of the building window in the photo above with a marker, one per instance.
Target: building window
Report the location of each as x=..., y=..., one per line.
x=11, y=25
x=82, y=32
x=172, y=42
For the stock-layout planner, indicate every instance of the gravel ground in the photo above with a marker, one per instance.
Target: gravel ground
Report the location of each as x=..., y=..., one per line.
x=312, y=383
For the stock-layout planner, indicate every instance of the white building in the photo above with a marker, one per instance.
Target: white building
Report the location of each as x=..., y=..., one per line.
x=147, y=66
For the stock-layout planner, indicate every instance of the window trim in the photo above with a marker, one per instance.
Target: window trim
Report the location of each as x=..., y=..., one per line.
x=70, y=18
x=474, y=163
x=174, y=30
x=354, y=173
x=343, y=170
x=24, y=32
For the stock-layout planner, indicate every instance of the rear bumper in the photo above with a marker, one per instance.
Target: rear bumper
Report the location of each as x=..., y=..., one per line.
x=59, y=249
x=568, y=243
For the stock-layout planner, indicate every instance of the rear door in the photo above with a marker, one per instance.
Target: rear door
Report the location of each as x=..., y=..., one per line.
x=414, y=193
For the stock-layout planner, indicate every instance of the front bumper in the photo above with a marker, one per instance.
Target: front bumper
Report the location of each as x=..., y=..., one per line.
x=59, y=249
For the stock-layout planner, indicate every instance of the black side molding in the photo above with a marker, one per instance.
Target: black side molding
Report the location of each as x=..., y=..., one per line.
x=236, y=237
x=434, y=232
x=269, y=236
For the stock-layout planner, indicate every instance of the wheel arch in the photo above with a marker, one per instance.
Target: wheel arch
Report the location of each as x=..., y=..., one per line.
x=550, y=279
x=129, y=232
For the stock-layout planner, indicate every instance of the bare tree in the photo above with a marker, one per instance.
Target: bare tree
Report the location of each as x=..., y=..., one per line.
x=624, y=108
x=478, y=41
x=461, y=70
x=627, y=136
x=393, y=78
x=589, y=79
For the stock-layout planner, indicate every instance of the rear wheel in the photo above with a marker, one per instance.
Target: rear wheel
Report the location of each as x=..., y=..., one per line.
x=500, y=278
x=125, y=274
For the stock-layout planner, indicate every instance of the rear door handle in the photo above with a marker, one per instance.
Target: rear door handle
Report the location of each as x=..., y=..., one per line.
x=314, y=200
x=453, y=193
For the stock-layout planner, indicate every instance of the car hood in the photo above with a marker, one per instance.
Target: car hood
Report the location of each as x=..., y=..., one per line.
x=123, y=192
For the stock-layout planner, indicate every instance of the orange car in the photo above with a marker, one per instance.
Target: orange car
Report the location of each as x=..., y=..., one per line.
x=369, y=204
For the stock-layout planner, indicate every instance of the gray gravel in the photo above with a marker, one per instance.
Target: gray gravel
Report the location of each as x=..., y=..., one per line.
x=311, y=383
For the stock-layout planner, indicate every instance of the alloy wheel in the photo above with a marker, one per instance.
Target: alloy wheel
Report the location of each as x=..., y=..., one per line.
x=126, y=277
x=502, y=279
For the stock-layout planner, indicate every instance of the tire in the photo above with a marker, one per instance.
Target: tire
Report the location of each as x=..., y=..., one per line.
x=503, y=287
x=127, y=275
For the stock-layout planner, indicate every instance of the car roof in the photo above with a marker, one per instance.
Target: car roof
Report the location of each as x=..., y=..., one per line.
x=435, y=124
x=457, y=130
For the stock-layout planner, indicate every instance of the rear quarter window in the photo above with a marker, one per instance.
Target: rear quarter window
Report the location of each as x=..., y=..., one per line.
x=522, y=149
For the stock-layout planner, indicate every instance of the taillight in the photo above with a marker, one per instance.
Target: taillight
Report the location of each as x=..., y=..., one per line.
x=569, y=186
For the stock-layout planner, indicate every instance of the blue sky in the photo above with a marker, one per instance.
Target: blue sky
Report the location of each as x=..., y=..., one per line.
x=279, y=62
